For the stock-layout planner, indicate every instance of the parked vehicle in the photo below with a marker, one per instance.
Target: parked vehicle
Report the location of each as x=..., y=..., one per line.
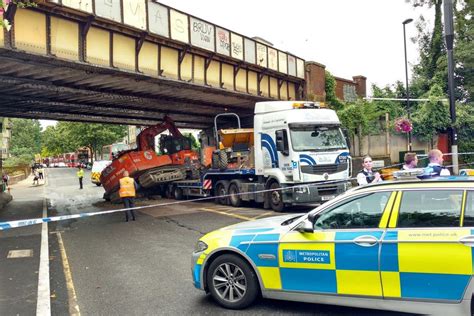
x=292, y=151
x=96, y=170
x=397, y=245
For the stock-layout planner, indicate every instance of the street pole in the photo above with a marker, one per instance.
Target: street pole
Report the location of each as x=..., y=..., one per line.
x=406, y=78
x=449, y=37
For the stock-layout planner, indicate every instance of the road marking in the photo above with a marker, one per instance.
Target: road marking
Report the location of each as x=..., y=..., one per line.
x=43, y=306
x=227, y=214
x=71, y=292
x=23, y=253
x=262, y=215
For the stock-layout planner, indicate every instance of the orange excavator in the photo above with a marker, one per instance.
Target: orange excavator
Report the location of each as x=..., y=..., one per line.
x=177, y=161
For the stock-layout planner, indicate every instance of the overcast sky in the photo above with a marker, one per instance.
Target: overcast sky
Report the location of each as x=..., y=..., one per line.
x=350, y=37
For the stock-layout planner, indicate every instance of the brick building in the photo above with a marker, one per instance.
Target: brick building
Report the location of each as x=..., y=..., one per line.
x=346, y=90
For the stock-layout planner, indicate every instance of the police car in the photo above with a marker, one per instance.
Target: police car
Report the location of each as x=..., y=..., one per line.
x=401, y=245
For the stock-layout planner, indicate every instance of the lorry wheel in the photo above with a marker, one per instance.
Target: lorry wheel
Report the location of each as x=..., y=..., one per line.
x=178, y=193
x=234, y=196
x=276, y=197
x=221, y=193
x=232, y=282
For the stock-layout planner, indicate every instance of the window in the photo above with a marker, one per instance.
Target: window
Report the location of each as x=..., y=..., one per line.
x=361, y=212
x=430, y=208
x=469, y=211
x=316, y=137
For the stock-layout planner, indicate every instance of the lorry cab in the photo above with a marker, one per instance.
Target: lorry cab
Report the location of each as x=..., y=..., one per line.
x=300, y=143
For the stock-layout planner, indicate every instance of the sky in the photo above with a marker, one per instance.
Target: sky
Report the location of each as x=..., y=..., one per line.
x=349, y=37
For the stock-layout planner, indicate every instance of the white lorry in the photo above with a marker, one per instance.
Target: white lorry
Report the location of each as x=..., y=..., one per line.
x=295, y=154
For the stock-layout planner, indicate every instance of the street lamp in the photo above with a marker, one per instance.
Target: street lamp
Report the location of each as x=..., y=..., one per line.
x=406, y=76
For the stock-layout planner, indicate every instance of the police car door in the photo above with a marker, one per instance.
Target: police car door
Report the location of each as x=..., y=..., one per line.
x=426, y=253
x=341, y=256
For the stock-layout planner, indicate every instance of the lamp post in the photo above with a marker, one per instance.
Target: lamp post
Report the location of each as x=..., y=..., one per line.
x=449, y=37
x=406, y=76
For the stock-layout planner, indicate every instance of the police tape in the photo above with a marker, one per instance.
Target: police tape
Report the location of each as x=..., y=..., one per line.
x=34, y=221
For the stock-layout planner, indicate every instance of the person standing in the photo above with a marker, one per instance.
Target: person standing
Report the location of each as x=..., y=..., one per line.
x=367, y=175
x=435, y=167
x=411, y=161
x=40, y=173
x=5, y=179
x=127, y=192
x=80, y=176
x=35, y=177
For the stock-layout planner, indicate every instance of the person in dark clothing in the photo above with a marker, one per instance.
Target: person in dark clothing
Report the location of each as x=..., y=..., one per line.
x=435, y=167
x=367, y=175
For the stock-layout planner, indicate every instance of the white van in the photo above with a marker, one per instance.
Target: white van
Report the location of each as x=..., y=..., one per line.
x=97, y=168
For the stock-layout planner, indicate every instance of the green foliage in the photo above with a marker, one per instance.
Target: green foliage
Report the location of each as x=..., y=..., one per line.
x=194, y=143
x=393, y=108
x=4, y=23
x=353, y=118
x=330, y=88
x=26, y=138
x=465, y=127
x=463, y=51
x=433, y=117
x=68, y=136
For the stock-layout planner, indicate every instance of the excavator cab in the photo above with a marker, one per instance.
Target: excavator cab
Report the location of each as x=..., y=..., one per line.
x=170, y=145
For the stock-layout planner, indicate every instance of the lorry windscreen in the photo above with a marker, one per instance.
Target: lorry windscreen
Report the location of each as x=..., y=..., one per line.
x=316, y=137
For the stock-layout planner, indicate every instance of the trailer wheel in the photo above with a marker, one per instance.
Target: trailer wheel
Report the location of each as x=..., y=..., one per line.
x=276, y=197
x=234, y=195
x=221, y=194
x=178, y=193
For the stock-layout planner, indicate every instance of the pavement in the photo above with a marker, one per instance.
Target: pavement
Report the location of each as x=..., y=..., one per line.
x=7, y=197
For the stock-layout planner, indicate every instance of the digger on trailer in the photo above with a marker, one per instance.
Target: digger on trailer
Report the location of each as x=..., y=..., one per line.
x=145, y=166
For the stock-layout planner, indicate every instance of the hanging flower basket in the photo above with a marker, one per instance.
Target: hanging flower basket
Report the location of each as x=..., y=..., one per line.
x=403, y=125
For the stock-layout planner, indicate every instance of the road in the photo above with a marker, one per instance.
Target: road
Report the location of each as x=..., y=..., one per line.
x=104, y=265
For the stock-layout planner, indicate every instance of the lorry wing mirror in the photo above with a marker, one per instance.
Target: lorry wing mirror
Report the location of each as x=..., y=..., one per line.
x=282, y=142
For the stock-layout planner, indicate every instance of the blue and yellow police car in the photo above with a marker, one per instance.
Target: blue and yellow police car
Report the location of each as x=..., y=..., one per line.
x=401, y=245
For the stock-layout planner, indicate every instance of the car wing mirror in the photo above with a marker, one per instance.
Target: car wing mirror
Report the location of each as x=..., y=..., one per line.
x=306, y=226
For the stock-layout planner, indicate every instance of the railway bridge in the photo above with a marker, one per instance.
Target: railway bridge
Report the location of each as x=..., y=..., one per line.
x=134, y=61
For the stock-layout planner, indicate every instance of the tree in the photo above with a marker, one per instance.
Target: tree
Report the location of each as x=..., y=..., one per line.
x=330, y=88
x=69, y=136
x=432, y=118
x=194, y=143
x=26, y=139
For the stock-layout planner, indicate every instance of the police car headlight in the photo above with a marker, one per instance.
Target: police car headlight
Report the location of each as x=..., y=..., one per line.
x=200, y=246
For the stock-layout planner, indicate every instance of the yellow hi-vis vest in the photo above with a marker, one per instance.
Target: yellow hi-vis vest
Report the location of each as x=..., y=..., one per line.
x=127, y=187
x=80, y=173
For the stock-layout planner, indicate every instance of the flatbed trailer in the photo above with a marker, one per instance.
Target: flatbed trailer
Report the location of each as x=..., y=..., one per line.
x=234, y=186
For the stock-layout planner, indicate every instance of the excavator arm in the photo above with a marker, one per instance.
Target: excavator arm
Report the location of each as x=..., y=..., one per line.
x=146, y=139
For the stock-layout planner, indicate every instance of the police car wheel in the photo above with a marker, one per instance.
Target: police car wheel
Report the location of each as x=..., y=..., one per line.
x=232, y=283
x=98, y=184
x=276, y=199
